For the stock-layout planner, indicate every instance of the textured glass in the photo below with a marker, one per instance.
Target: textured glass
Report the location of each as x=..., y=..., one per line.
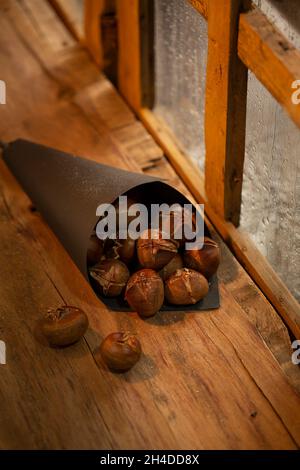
x=271, y=188
x=285, y=15
x=180, y=65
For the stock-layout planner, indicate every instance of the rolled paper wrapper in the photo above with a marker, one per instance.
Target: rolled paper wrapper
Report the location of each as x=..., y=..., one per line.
x=67, y=190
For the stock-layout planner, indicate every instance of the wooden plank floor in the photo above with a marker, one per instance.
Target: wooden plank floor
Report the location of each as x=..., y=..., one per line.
x=218, y=379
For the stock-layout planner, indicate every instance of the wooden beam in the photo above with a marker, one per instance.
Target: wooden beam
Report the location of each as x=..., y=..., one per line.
x=147, y=52
x=109, y=40
x=129, y=63
x=225, y=111
x=274, y=60
x=98, y=16
x=92, y=13
x=241, y=245
x=201, y=6
x=101, y=35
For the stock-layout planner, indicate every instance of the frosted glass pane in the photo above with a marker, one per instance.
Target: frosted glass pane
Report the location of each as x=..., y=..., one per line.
x=271, y=188
x=180, y=66
x=285, y=15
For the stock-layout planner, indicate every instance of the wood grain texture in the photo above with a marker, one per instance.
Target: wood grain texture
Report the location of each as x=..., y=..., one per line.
x=264, y=275
x=273, y=59
x=238, y=241
x=129, y=61
x=42, y=22
x=225, y=111
x=71, y=14
x=204, y=381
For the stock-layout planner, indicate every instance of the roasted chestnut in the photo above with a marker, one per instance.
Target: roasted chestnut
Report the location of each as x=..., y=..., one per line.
x=176, y=224
x=145, y=292
x=120, y=351
x=111, y=276
x=206, y=260
x=122, y=249
x=154, y=251
x=171, y=267
x=185, y=287
x=64, y=326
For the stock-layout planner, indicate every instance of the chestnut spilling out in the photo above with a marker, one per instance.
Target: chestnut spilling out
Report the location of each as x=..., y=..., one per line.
x=153, y=271
x=126, y=274
x=120, y=351
x=64, y=326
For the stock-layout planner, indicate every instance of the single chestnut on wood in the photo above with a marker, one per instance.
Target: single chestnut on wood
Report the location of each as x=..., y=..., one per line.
x=111, y=276
x=206, y=260
x=120, y=351
x=64, y=326
x=145, y=292
x=154, y=251
x=171, y=267
x=185, y=287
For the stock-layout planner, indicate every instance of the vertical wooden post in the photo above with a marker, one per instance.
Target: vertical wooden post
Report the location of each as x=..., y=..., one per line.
x=225, y=112
x=101, y=34
x=92, y=14
x=147, y=72
x=129, y=64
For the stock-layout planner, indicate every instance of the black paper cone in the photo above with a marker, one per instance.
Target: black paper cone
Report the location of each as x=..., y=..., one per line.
x=67, y=190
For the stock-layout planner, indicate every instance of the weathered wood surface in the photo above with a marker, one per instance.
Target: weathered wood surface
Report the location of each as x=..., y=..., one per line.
x=271, y=57
x=71, y=13
x=225, y=111
x=219, y=379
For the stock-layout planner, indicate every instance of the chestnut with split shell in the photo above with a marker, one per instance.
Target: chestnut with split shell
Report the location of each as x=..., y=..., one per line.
x=111, y=276
x=120, y=351
x=185, y=287
x=154, y=250
x=145, y=292
x=206, y=260
x=171, y=267
x=121, y=249
x=179, y=222
x=64, y=326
